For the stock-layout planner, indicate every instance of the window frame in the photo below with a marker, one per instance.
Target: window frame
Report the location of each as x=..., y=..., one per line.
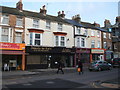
x=48, y=25
x=35, y=23
x=21, y=21
x=93, y=43
x=58, y=41
x=60, y=27
x=4, y=16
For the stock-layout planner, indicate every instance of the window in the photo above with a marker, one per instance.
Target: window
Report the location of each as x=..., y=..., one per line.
x=98, y=33
x=105, y=45
x=18, y=37
x=104, y=35
x=48, y=25
x=86, y=32
x=82, y=42
x=19, y=21
x=60, y=41
x=78, y=42
x=5, y=35
x=93, y=44
x=35, y=23
x=78, y=30
x=98, y=44
x=109, y=36
x=5, y=19
x=59, y=27
x=92, y=33
x=35, y=39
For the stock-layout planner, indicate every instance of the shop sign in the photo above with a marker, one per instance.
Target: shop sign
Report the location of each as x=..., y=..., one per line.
x=97, y=51
x=66, y=50
x=12, y=46
x=41, y=49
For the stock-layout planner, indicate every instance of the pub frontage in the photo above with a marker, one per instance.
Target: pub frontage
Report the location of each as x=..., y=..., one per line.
x=46, y=57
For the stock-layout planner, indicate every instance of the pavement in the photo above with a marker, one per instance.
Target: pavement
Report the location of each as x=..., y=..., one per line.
x=114, y=83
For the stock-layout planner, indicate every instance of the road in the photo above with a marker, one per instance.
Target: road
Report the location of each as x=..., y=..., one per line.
x=67, y=80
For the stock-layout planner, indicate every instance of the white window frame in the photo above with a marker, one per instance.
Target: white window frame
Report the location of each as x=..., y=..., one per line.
x=35, y=23
x=48, y=25
x=19, y=35
x=10, y=35
x=92, y=33
x=105, y=45
x=104, y=35
x=60, y=27
x=78, y=41
x=5, y=17
x=109, y=36
x=19, y=22
x=99, y=46
x=98, y=33
x=82, y=41
x=58, y=42
x=93, y=42
x=33, y=38
x=78, y=30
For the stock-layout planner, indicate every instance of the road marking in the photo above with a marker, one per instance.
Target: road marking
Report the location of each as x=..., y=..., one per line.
x=50, y=82
x=27, y=84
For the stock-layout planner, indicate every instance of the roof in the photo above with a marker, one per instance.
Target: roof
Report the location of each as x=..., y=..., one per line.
x=73, y=22
x=15, y=11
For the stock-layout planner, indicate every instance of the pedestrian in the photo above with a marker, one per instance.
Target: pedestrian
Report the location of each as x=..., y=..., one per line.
x=60, y=67
x=6, y=67
x=80, y=67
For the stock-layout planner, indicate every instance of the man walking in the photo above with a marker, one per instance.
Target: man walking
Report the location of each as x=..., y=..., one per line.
x=60, y=68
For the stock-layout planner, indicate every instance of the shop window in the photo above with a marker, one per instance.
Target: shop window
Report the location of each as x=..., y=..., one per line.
x=5, y=19
x=35, y=23
x=18, y=37
x=60, y=41
x=19, y=22
x=35, y=38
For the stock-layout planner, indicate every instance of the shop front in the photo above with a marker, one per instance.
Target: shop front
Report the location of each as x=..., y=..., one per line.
x=46, y=57
x=13, y=54
x=82, y=54
x=108, y=55
x=97, y=54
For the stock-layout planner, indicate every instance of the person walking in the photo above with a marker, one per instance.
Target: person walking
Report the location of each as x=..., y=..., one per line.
x=60, y=68
x=80, y=66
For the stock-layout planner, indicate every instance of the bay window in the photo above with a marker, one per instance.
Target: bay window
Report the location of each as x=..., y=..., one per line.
x=35, y=38
x=60, y=41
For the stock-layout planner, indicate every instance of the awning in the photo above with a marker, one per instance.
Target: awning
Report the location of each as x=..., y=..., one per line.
x=10, y=52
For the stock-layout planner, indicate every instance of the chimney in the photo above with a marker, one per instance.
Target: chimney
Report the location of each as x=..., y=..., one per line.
x=19, y=5
x=96, y=24
x=62, y=15
x=59, y=14
x=107, y=23
x=118, y=19
x=77, y=18
x=43, y=10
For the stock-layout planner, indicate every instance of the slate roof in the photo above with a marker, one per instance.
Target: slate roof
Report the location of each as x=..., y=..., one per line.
x=15, y=11
x=73, y=22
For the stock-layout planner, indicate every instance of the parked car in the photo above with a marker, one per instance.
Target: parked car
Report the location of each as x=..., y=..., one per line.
x=116, y=62
x=100, y=65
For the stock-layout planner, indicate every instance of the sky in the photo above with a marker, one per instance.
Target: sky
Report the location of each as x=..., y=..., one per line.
x=90, y=10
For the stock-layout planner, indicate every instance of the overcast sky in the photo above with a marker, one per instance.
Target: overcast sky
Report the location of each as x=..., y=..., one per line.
x=89, y=11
